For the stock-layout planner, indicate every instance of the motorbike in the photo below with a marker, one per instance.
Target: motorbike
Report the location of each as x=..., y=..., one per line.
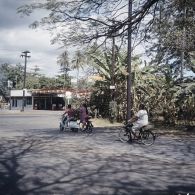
x=73, y=124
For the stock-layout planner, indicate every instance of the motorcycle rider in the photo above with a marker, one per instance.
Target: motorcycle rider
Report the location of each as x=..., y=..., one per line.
x=68, y=115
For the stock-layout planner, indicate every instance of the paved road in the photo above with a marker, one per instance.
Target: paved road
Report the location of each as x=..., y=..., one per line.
x=36, y=159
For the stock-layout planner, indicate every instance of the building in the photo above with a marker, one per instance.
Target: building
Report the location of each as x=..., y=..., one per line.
x=16, y=99
x=45, y=99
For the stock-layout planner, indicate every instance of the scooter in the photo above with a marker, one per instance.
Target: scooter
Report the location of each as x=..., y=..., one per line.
x=72, y=124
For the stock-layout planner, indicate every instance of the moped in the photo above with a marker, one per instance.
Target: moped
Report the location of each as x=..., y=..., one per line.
x=72, y=124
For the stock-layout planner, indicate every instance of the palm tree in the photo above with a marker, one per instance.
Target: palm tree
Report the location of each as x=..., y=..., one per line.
x=145, y=84
x=78, y=62
x=63, y=61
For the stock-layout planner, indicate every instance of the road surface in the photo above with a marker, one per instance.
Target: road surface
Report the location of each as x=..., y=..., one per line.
x=36, y=159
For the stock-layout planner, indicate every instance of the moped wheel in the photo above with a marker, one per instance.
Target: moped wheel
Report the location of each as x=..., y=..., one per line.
x=89, y=128
x=75, y=130
x=61, y=127
x=147, y=137
x=124, y=136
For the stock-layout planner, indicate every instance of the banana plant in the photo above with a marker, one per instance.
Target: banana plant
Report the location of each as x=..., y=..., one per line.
x=152, y=85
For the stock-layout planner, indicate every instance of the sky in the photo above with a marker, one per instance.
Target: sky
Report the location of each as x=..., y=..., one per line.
x=16, y=37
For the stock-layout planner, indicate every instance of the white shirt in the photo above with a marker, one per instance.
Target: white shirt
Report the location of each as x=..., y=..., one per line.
x=142, y=118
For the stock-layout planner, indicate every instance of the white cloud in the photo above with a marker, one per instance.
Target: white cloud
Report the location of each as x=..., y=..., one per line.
x=14, y=41
x=16, y=37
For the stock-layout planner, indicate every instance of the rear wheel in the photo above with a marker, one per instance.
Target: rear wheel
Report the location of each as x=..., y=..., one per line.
x=124, y=136
x=61, y=127
x=147, y=137
x=89, y=127
x=75, y=130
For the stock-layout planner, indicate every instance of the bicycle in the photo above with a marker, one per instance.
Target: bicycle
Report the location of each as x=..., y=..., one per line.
x=144, y=136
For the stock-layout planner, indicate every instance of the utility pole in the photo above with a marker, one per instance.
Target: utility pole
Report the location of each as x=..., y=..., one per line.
x=183, y=46
x=112, y=87
x=129, y=103
x=112, y=103
x=10, y=85
x=25, y=55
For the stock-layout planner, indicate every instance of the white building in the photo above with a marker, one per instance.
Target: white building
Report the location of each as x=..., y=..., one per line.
x=16, y=99
x=45, y=99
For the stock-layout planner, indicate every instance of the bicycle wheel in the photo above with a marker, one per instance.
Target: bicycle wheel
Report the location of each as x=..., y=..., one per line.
x=89, y=128
x=123, y=135
x=61, y=127
x=147, y=137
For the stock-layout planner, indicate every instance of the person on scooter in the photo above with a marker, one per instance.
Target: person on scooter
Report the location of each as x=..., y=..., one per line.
x=68, y=115
x=83, y=115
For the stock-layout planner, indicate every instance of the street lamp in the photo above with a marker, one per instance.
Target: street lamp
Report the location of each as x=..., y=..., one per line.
x=25, y=55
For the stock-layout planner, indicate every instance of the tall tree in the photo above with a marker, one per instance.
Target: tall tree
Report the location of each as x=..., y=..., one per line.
x=36, y=70
x=78, y=62
x=173, y=27
x=85, y=21
x=13, y=73
x=63, y=61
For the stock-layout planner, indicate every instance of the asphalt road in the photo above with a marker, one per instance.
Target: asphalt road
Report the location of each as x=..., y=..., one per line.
x=36, y=159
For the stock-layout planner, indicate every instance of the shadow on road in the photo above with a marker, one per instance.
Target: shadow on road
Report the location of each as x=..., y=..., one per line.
x=31, y=165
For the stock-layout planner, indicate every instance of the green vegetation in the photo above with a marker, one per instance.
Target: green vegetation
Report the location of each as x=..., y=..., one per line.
x=100, y=28
x=163, y=95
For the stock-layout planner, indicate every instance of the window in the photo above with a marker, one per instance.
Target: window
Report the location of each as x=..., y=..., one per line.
x=14, y=103
x=29, y=100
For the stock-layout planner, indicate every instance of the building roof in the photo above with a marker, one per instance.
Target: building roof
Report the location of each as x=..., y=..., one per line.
x=59, y=92
x=19, y=93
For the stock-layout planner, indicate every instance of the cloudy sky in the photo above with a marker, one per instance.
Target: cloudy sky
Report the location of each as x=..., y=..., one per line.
x=16, y=37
